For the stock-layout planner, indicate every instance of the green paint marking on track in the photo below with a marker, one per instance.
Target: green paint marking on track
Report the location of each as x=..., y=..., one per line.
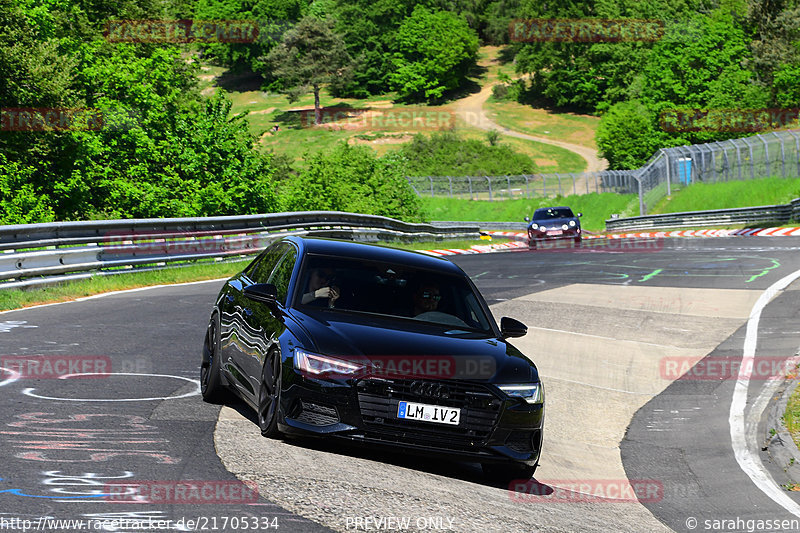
x=481, y=274
x=775, y=264
x=651, y=274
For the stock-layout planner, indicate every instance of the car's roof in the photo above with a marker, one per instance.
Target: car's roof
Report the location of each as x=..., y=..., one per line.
x=548, y=208
x=373, y=252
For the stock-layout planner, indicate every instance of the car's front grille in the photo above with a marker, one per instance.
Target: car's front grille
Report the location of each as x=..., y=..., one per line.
x=378, y=401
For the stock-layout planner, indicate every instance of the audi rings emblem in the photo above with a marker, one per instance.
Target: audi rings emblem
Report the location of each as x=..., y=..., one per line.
x=430, y=389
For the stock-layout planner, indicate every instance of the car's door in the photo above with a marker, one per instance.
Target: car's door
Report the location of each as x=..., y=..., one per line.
x=266, y=321
x=239, y=342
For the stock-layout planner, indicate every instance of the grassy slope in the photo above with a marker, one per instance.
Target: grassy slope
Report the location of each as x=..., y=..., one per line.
x=267, y=109
x=596, y=208
x=702, y=196
x=567, y=127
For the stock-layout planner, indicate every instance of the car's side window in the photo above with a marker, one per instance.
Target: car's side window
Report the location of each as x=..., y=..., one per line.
x=260, y=271
x=282, y=274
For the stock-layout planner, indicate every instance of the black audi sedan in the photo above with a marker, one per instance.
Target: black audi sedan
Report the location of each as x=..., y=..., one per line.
x=550, y=223
x=379, y=346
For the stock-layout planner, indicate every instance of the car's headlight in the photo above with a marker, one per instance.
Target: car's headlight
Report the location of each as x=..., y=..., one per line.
x=530, y=392
x=564, y=227
x=542, y=228
x=316, y=365
x=572, y=223
x=534, y=226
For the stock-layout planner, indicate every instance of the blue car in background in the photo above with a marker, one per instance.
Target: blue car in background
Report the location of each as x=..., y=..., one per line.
x=553, y=223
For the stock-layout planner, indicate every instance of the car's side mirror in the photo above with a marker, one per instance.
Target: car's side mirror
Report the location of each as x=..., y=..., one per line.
x=527, y=219
x=262, y=292
x=580, y=214
x=510, y=327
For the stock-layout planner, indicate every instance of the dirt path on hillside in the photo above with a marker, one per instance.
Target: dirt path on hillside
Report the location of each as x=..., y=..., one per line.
x=470, y=109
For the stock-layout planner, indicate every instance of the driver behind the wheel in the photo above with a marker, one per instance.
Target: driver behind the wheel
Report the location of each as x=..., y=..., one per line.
x=320, y=288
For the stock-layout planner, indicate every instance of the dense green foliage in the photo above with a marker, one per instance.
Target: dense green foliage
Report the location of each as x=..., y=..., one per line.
x=352, y=178
x=159, y=150
x=434, y=53
x=447, y=154
x=713, y=55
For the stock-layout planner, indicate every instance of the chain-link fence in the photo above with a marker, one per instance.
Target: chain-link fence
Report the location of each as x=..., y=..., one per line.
x=670, y=169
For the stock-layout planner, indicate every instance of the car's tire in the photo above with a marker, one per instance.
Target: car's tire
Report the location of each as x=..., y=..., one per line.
x=531, y=244
x=507, y=472
x=577, y=242
x=211, y=388
x=269, y=396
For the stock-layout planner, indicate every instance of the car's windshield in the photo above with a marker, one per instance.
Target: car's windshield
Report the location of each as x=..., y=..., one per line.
x=553, y=212
x=352, y=285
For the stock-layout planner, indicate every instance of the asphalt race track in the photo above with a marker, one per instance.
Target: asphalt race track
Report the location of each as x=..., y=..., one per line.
x=639, y=350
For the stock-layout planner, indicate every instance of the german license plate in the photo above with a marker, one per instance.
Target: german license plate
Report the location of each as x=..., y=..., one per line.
x=428, y=413
x=555, y=232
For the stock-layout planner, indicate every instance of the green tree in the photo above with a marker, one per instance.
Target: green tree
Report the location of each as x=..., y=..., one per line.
x=309, y=56
x=447, y=154
x=352, y=178
x=434, y=52
x=20, y=201
x=274, y=18
x=627, y=135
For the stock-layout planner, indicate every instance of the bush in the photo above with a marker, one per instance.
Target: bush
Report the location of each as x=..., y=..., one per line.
x=447, y=154
x=353, y=179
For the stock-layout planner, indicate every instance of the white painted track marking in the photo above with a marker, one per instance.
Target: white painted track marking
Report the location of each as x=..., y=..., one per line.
x=743, y=430
x=29, y=391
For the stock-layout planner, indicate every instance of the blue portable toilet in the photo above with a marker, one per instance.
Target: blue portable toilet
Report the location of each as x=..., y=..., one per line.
x=685, y=170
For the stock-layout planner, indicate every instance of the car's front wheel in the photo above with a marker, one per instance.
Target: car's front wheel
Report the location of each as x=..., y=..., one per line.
x=211, y=387
x=269, y=396
x=507, y=472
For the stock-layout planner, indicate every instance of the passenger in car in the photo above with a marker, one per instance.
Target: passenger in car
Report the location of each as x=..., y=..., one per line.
x=426, y=299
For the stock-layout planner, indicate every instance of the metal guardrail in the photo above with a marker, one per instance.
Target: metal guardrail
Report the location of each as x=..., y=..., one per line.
x=779, y=214
x=42, y=254
x=492, y=226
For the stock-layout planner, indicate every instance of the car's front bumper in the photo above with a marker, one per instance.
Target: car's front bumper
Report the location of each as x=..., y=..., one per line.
x=492, y=428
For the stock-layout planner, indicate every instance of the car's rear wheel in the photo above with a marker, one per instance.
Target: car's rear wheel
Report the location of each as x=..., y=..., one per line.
x=211, y=387
x=269, y=396
x=507, y=472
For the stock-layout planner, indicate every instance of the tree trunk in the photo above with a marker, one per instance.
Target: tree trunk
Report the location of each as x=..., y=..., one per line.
x=317, y=110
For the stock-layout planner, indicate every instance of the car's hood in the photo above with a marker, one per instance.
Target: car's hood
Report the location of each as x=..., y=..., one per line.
x=397, y=341
x=555, y=222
